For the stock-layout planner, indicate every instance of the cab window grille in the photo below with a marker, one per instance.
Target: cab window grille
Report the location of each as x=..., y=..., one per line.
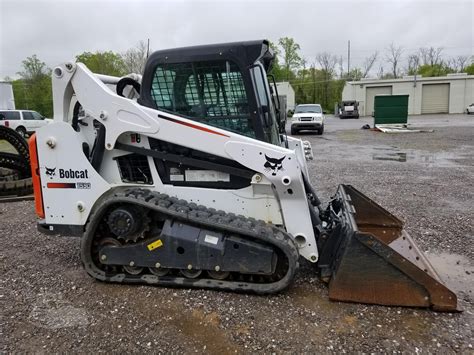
x=134, y=168
x=210, y=92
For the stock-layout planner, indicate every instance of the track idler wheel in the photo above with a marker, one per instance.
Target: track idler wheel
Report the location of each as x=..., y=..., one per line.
x=190, y=273
x=159, y=271
x=218, y=275
x=133, y=270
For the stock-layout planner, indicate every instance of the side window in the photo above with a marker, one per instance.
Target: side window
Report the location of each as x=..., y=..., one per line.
x=210, y=92
x=10, y=115
x=260, y=86
x=270, y=129
x=37, y=116
x=162, y=88
x=28, y=115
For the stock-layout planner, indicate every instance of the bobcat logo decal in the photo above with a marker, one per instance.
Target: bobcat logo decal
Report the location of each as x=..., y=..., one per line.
x=274, y=165
x=50, y=171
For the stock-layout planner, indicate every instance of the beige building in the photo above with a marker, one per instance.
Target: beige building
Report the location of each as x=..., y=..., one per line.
x=285, y=89
x=447, y=94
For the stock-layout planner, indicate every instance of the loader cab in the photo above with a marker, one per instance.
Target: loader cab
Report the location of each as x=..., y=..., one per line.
x=222, y=85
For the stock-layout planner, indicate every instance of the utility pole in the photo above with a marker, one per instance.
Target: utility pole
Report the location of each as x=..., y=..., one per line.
x=148, y=48
x=348, y=57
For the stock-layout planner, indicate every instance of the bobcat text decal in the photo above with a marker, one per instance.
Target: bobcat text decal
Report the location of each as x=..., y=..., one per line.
x=73, y=174
x=68, y=174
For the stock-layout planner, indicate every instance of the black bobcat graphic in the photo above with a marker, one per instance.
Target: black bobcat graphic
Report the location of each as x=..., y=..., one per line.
x=50, y=171
x=273, y=164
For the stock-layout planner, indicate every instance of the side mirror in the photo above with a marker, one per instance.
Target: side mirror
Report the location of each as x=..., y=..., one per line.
x=266, y=116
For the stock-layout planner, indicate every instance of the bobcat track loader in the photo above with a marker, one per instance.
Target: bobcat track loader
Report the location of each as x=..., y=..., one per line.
x=184, y=177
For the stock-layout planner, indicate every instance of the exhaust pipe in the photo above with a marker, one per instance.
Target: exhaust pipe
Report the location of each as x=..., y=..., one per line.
x=369, y=258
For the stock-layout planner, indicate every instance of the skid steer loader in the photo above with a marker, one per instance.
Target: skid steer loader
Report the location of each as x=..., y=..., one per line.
x=184, y=177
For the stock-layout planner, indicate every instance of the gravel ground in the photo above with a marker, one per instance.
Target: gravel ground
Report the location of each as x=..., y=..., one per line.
x=49, y=304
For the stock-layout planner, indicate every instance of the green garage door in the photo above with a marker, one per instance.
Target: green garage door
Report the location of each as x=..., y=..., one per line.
x=435, y=98
x=371, y=93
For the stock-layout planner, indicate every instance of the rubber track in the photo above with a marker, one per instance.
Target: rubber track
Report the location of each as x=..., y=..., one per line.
x=16, y=187
x=207, y=218
x=17, y=141
x=15, y=162
x=20, y=163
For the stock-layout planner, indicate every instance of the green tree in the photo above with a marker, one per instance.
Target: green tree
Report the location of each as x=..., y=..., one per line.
x=469, y=69
x=290, y=55
x=108, y=63
x=327, y=63
x=441, y=69
x=34, y=90
x=33, y=69
x=276, y=70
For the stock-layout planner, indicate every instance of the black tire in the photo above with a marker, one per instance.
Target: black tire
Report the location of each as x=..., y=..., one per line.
x=21, y=131
x=294, y=131
x=321, y=130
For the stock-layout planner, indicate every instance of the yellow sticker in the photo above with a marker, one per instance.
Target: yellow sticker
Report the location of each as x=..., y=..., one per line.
x=156, y=244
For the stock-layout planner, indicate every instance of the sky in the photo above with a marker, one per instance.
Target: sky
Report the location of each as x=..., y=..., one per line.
x=58, y=30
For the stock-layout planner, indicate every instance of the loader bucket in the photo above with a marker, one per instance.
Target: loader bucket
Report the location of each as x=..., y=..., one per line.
x=369, y=258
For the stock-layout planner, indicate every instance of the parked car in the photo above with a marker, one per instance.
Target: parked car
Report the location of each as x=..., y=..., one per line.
x=349, y=109
x=25, y=122
x=470, y=109
x=307, y=117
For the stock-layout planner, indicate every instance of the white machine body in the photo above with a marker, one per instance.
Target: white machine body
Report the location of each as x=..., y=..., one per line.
x=71, y=186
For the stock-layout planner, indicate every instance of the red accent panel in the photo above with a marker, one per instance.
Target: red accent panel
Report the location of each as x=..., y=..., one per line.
x=61, y=185
x=192, y=125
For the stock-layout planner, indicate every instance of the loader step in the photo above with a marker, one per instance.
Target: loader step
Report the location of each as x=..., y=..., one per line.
x=247, y=255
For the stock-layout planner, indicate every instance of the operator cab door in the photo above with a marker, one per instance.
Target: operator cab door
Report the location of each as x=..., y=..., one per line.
x=215, y=90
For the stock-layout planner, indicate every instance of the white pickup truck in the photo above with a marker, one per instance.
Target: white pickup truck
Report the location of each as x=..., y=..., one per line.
x=23, y=121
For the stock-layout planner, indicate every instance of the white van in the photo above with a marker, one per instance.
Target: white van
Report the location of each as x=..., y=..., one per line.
x=23, y=121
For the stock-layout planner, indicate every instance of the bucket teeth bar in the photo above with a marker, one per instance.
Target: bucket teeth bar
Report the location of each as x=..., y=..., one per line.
x=369, y=258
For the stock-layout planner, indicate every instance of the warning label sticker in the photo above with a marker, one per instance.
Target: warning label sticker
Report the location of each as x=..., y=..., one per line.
x=176, y=174
x=211, y=239
x=156, y=244
x=207, y=175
